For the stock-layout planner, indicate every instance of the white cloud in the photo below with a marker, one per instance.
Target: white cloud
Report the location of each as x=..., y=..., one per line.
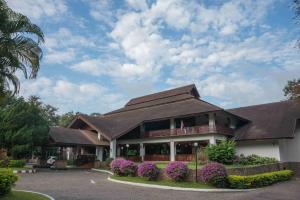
x=41, y=8
x=60, y=57
x=138, y=4
x=69, y=96
x=65, y=38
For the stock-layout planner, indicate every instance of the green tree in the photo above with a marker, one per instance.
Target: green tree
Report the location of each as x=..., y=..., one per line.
x=23, y=128
x=48, y=111
x=66, y=119
x=292, y=89
x=19, y=48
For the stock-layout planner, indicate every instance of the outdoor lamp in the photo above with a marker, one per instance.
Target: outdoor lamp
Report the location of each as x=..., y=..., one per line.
x=127, y=145
x=196, y=160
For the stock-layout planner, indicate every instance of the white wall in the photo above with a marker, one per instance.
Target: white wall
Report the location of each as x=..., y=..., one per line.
x=290, y=148
x=268, y=148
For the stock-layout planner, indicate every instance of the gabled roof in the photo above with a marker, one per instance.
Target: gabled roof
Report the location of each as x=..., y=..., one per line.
x=182, y=101
x=116, y=124
x=68, y=136
x=268, y=121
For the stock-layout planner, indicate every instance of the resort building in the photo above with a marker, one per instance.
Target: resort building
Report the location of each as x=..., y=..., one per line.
x=163, y=127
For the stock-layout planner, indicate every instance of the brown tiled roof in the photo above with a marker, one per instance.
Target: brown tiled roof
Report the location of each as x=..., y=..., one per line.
x=188, y=89
x=268, y=121
x=116, y=124
x=68, y=136
x=181, y=101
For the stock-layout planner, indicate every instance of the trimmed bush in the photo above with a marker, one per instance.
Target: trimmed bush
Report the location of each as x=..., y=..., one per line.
x=214, y=174
x=4, y=163
x=108, y=161
x=255, y=160
x=7, y=180
x=177, y=171
x=223, y=152
x=148, y=170
x=17, y=163
x=128, y=168
x=259, y=180
x=115, y=166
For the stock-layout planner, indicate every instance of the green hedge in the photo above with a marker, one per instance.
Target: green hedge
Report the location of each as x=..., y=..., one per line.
x=223, y=152
x=17, y=163
x=259, y=180
x=7, y=180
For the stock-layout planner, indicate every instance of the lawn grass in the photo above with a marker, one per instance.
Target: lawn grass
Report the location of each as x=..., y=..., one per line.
x=16, y=168
x=18, y=195
x=164, y=182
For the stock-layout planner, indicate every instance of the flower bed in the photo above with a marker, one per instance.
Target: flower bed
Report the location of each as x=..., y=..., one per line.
x=177, y=171
x=148, y=170
x=215, y=174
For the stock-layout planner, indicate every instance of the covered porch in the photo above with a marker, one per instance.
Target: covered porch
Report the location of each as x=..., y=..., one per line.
x=80, y=146
x=165, y=149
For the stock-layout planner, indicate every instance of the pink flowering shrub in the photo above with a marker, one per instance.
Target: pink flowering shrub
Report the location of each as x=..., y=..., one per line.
x=115, y=166
x=148, y=170
x=177, y=171
x=215, y=174
x=128, y=168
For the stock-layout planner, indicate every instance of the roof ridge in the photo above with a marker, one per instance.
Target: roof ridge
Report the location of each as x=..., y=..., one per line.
x=157, y=99
x=155, y=93
x=112, y=113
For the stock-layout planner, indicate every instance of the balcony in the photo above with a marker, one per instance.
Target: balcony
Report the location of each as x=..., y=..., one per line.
x=194, y=130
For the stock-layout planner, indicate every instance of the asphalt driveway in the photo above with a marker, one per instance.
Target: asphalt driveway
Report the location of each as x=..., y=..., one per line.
x=87, y=185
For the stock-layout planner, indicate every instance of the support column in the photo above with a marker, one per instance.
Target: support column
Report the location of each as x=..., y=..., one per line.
x=172, y=150
x=99, y=153
x=211, y=122
x=142, y=151
x=172, y=125
x=113, y=149
x=212, y=140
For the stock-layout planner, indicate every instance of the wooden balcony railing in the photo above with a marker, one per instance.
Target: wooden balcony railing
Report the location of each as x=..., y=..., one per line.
x=194, y=130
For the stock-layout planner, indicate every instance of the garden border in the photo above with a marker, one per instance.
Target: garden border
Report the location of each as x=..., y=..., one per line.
x=169, y=187
x=29, y=191
x=178, y=188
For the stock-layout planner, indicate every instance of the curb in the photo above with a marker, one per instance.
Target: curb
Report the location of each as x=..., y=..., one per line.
x=102, y=170
x=45, y=195
x=178, y=188
x=27, y=171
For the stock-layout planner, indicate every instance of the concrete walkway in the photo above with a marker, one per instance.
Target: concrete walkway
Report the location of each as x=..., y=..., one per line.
x=87, y=185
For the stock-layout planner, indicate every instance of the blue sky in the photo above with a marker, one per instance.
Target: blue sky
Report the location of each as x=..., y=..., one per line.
x=98, y=54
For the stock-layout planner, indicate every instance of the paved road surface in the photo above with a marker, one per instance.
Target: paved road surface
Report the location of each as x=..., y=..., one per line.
x=87, y=185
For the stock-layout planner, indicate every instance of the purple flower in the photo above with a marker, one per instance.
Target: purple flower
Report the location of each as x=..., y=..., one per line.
x=148, y=170
x=177, y=171
x=115, y=166
x=213, y=173
x=128, y=168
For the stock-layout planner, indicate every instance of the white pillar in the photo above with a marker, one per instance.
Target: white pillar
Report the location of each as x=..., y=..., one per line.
x=142, y=151
x=172, y=123
x=212, y=140
x=211, y=122
x=99, y=153
x=113, y=149
x=172, y=151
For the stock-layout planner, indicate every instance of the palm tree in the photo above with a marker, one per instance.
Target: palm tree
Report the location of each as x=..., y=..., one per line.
x=19, y=49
